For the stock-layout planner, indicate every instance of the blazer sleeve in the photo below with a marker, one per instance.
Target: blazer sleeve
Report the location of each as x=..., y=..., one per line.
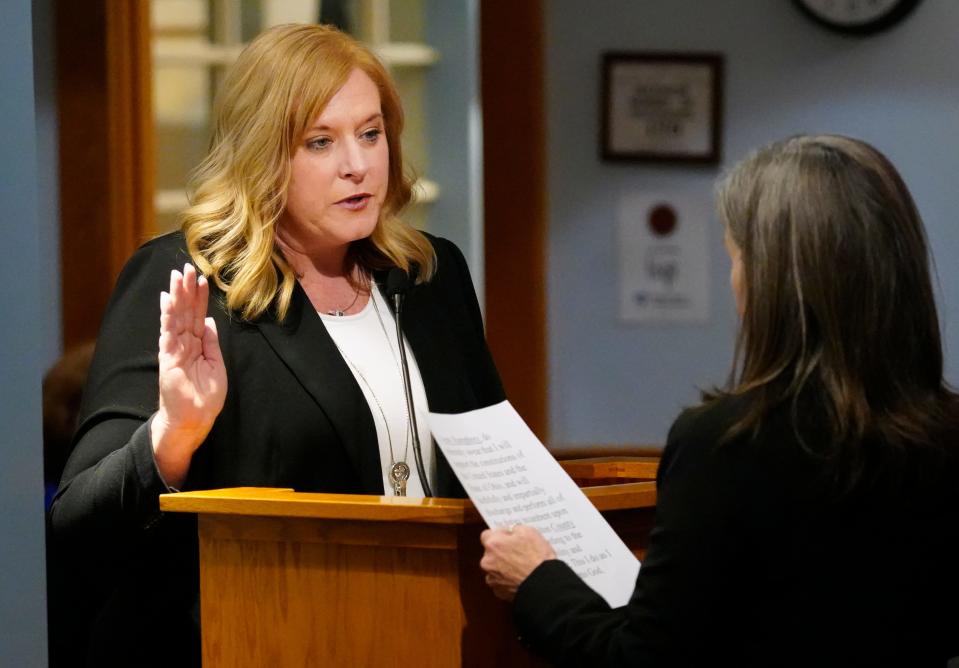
x=667, y=621
x=110, y=485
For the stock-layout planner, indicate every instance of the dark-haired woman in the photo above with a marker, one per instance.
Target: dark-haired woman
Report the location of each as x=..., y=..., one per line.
x=808, y=514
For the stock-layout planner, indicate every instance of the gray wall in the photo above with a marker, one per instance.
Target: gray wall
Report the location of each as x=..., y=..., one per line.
x=22, y=588
x=454, y=130
x=612, y=383
x=49, y=335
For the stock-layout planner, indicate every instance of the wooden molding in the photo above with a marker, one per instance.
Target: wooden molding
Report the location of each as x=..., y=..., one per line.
x=106, y=157
x=130, y=127
x=511, y=57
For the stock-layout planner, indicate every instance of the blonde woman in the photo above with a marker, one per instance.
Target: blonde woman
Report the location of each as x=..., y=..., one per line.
x=807, y=515
x=279, y=366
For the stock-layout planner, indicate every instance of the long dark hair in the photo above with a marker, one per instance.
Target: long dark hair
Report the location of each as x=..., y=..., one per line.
x=838, y=300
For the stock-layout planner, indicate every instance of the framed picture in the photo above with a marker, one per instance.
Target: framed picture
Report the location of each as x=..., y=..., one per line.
x=662, y=107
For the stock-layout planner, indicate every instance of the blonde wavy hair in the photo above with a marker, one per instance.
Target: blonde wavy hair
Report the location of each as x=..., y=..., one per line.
x=278, y=86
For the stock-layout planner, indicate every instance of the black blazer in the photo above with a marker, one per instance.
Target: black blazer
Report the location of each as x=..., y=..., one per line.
x=294, y=417
x=755, y=560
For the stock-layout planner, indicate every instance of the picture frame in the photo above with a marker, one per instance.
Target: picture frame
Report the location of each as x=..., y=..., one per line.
x=662, y=107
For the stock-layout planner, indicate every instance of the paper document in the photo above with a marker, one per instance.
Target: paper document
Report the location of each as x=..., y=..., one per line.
x=511, y=478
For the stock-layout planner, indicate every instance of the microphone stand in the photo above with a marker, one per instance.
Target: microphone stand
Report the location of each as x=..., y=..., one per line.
x=417, y=453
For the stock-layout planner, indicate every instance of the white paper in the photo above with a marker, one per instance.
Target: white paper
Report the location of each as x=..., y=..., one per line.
x=664, y=274
x=511, y=478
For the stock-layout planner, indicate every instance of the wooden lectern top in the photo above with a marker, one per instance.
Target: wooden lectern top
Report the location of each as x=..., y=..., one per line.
x=273, y=502
x=276, y=502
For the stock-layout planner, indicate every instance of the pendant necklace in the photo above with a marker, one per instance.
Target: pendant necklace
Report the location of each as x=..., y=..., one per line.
x=399, y=470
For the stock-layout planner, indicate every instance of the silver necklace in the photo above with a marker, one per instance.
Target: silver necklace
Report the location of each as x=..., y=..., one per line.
x=342, y=312
x=399, y=471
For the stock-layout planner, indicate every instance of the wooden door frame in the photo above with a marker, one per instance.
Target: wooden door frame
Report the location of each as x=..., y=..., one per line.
x=514, y=183
x=106, y=151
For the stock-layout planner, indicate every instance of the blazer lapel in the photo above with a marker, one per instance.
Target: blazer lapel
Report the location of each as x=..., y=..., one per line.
x=307, y=349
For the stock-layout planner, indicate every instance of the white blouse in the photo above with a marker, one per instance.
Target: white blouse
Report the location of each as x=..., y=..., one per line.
x=367, y=341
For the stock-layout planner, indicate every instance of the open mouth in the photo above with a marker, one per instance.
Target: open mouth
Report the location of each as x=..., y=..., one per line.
x=356, y=201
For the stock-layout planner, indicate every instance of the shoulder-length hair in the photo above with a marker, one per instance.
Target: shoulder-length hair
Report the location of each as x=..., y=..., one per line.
x=279, y=84
x=838, y=298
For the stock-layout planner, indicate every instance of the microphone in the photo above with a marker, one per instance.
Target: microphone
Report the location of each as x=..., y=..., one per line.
x=397, y=285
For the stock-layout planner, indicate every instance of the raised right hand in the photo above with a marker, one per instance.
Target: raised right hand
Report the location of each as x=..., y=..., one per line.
x=192, y=375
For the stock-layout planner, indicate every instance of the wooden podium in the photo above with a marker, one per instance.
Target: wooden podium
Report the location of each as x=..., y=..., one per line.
x=296, y=579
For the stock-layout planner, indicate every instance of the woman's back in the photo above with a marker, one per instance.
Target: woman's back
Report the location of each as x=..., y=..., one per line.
x=808, y=512
x=785, y=566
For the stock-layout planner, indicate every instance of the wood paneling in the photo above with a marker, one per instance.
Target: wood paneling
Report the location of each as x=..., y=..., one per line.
x=106, y=159
x=353, y=580
x=611, y=470
x=302, y=598
x=511, y=37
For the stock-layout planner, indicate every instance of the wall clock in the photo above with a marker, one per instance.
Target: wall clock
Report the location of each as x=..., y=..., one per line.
x=857, y=17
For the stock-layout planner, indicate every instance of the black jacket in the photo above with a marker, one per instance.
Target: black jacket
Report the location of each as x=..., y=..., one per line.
x=757, y=560
x=294, y=417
